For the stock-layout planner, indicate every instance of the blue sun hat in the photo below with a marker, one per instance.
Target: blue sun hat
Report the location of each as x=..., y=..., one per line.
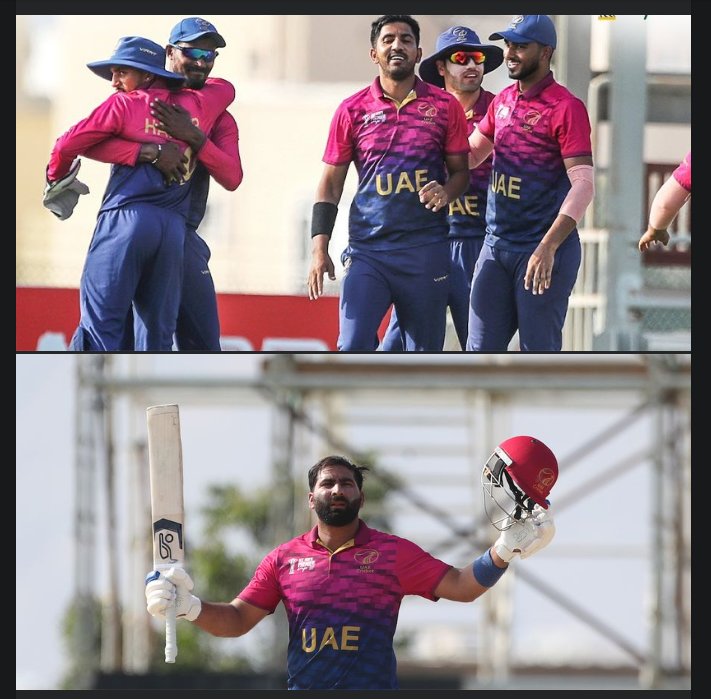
x=458, y=39
x=137, y=52
x=525, y=29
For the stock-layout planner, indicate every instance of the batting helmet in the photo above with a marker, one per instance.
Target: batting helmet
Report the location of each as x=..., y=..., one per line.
x=525, y=469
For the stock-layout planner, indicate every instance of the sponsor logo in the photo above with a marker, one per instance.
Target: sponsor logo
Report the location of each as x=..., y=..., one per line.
x=298, y=565
x=374, y=118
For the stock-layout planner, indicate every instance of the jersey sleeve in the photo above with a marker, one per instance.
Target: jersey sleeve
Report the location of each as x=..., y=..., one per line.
x=263, y=589
x=419, y=572
x=220, y=153
x=457, y=142
x=216, y=95
x=105, y=120
x=339, y=146
x=487, y=126
x=571, y=126
x=115, y=150
x=682, y=174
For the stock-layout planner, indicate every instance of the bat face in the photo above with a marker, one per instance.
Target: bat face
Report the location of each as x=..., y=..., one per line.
x=166, y=475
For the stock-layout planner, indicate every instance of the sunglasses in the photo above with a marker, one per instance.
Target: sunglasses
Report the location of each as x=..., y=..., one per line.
x=197, y=54
x=462, y=57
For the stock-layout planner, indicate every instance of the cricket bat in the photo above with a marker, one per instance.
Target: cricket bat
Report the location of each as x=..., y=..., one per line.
x=165, y=459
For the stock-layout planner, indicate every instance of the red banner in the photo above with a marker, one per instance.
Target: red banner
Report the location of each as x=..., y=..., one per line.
x=46, y=320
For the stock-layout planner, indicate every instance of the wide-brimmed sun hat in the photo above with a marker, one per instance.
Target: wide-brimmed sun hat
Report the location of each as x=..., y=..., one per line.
x=137, y=52
x=458, y=39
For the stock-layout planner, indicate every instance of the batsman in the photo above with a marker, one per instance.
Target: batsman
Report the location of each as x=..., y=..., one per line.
x=342, y=582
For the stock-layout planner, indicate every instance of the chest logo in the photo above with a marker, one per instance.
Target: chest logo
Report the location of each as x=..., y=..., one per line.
x=366, y=557
x=298, y=565
x=374, y=118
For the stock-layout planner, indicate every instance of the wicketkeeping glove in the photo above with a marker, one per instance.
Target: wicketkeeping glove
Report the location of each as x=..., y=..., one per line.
x=526, y=537
x=171, y=586
x=61, y=197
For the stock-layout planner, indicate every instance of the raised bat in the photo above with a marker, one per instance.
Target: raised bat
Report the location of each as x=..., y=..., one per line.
x=165, y=459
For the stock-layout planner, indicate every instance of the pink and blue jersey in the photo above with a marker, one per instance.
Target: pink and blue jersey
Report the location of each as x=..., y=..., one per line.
x=127, y=115
x=682, y=174
x=533, y=132
x=467, y=214
x=396, y=151
x=342, y=607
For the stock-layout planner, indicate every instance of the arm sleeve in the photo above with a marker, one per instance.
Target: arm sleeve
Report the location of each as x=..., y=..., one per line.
x=104, y=121
x=220, y=153
x=115, y=150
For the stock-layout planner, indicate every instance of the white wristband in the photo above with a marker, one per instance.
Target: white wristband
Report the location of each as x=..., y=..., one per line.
x=155, y=160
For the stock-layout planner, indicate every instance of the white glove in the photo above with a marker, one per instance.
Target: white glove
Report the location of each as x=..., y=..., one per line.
x=527, y=536
x=171, y=586
x=543, y=522
x=61, y=197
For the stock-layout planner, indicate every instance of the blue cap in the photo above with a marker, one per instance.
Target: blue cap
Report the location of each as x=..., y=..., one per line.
x=525, y=29
x=458, y=39
x=192, y=28
x=137, y=52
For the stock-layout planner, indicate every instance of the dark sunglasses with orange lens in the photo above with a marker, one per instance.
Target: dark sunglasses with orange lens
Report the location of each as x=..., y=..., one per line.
x=462, y=57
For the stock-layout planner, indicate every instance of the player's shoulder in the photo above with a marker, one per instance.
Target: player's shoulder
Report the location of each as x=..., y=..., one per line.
x=357, y=98
x=562, y=94
x=221, y=86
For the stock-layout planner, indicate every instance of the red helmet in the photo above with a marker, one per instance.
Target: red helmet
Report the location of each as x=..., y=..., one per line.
x=531, y=464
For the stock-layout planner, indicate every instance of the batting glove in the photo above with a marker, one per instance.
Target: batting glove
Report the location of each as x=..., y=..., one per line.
x=527, y=536
x=61, y=197
x=542, y=520
x=168, y=587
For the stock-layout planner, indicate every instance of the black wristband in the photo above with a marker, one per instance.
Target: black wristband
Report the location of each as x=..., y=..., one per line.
x=323, y=218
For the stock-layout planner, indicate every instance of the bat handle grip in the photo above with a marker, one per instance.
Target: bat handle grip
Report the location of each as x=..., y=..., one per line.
x=171, y=643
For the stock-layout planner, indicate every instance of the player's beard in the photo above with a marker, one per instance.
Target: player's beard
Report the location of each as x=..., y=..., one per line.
x=337, y=517
x=195, y=82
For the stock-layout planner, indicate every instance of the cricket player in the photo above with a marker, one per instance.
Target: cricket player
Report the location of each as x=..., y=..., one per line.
x=342, y=582
x=405, y=138
x=541, y=185
x=191, y=51
x=459, y=64
x=136, y=252
x=667, y=202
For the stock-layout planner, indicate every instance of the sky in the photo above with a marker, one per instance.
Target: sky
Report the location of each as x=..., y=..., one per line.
x=228, y=441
